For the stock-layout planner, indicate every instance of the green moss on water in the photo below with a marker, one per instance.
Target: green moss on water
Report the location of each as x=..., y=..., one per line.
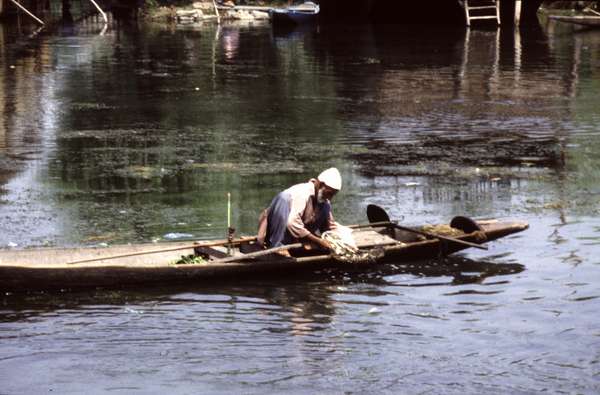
x=145, y=172
x=250, y=168
x=90, y=106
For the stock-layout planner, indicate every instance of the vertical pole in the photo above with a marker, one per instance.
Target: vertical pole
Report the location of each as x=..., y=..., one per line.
x=466, y=7
x=228, y=210
x=100, y=11
x=517, y=13
x=38, y=20
x=229, y=233
x=217, y=12
x=498, y=12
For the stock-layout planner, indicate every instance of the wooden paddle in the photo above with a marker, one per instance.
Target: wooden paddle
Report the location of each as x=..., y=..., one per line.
x=216, y=243
x=169, y=249
x=378, y=214
x=288, y=246
x=592, y=11
x=257, y=253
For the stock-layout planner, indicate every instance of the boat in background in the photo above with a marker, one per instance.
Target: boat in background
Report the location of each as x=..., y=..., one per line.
x=305, y=13
x=591, y=21
x=581, y=20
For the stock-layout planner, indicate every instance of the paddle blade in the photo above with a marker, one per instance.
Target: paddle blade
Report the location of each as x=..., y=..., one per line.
x=377, y=214
x=465, y=224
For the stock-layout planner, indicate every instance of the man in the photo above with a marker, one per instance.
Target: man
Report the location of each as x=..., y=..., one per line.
x=301, y=213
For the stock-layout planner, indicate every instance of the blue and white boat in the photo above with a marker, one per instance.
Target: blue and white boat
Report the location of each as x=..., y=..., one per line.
x=304, y=13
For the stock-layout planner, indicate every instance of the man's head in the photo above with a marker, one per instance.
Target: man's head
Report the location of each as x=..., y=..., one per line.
x=330, y=182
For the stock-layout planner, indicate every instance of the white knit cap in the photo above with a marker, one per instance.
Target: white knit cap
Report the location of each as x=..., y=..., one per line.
x=332, y=178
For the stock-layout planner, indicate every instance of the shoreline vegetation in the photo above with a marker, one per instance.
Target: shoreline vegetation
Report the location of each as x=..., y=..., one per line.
x=189, y=11
x=202, y=10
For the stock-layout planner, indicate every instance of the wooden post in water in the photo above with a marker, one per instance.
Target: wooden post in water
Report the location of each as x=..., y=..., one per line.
x=498, y=12
x=38, y=20
x=465, y=5
x=517, y=12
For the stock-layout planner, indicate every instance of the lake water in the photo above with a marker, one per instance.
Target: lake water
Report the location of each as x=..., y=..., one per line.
x=138, y=133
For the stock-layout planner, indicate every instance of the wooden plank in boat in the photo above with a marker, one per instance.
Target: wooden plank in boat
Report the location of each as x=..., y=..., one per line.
x=58, y=257
x=365, y=238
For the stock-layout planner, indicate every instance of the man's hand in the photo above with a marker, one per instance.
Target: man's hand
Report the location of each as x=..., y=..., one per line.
x=311, y=242
x=324, y=244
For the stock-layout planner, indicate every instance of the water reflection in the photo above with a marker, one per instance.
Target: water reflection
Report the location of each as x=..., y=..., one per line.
x=264, y=331
x=306, y=297
x=141, y=121
x=230, y=38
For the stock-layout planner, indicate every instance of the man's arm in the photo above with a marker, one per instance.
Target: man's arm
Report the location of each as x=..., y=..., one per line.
x=296, y=225
x=311, y=239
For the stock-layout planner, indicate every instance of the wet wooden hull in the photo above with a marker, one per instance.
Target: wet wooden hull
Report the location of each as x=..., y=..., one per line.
x=47, y=269
x=589, y=21
x=305, y=14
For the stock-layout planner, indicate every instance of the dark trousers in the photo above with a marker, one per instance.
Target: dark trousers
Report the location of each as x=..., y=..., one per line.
x=277, y=220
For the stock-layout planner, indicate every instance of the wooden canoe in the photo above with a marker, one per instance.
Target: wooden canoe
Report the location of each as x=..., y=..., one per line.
x=582, y=20
x=303, y=14
x=52, y=268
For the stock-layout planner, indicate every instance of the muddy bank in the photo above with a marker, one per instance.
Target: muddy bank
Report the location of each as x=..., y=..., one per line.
x=437, y=155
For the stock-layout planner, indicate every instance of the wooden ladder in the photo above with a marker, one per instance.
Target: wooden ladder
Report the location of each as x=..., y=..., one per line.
x=481, y=9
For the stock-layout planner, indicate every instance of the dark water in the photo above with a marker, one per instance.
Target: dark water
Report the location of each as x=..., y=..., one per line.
x=137, y=134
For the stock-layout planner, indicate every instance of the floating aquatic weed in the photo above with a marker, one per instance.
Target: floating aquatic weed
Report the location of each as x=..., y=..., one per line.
x=136, y=171
x=345, y=250
x=222, y=166
x=250, y=168
x=442, y=230
x=455, y=155
x=90, y=106
x=190, y=260
x=100, y=238
x=555, y=205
